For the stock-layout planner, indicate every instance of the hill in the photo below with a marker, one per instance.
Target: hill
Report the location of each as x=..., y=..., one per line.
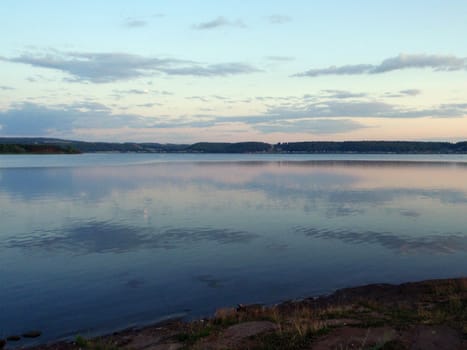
x=50, y=145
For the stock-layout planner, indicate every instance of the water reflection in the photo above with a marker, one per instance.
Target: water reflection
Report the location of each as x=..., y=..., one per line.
x=444, y=244
x=105, y=237
x=102, y=246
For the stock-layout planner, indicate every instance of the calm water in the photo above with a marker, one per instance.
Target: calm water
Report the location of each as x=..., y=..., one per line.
x=93, y=243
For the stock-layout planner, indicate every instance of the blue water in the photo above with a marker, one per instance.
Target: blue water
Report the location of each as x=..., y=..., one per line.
x=98, y=242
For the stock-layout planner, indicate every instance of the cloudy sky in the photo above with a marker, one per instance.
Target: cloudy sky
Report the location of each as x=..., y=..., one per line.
x=186, y=71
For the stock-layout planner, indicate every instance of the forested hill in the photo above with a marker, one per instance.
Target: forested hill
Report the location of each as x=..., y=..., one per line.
x=13, y=148
x=49, y=145
x=372, y=147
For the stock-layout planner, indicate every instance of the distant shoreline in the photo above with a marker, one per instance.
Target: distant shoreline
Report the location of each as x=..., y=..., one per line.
x=36, y=149
x=59, y=146
x=382, y=316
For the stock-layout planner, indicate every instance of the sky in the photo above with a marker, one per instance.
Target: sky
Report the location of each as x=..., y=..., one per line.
x=184, y=71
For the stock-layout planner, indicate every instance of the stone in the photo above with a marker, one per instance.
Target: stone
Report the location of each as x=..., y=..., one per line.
x=248, y=329
x=355, y=338
x=13, y=338
x=436, y=338
x=32, y=334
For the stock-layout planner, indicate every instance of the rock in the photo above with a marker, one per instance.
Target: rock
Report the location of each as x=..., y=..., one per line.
x=436, y=338
x=355, y=338
x=32, y=334
x=144, y=341
x=13, y=338
x=2, y=343
x=248, y=329
x=171, y=346
x=233, y=336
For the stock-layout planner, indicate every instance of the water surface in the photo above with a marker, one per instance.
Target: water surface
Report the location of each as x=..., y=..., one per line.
x=96, y=242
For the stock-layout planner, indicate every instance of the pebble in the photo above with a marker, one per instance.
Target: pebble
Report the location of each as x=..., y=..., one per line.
x=32, y=334
x=13, y=338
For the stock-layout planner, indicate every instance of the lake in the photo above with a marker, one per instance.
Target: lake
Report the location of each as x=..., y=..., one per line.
x=93, y=243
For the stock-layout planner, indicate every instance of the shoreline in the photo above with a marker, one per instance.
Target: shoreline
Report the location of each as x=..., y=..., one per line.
x=318, y=147
x=431, y=314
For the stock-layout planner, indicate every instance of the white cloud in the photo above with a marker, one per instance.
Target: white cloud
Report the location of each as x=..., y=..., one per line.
x=110, y=67
x=402, y=61
x=280, y=58
x=315, y=126
x=219, y=22
x=135, y=23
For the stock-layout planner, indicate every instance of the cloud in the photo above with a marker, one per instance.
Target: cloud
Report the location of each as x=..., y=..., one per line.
x=316, y=126
x=139, y=22
x=411, y=92
x=29, y=119
x=365, y=108
x=436, y=62
x=219, y=97
x=199, y=98
x=334, y=70
x=5, y=88
x=402, y=61
x=318, y=118
x=280, y=58
x=331, y=111
x=118, y=94
x=63, y=120
x=133, y=91
x=96, y=67
x=211, y=70
x=135, y=23
x=111, y=67
x=278, y=19
x=149, y=105
x=343, y=94
x=404, y=93
x=217, y=23
x=335, y=108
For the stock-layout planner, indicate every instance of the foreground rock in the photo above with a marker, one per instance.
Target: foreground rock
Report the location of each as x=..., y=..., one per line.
x=426, y=315
x=356, y=338
x=32, y=334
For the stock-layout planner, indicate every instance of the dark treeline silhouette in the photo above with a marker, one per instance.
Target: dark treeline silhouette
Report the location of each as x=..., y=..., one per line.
x=239, y=147
x=372, y=147
x=36, y=149
x=47, y=145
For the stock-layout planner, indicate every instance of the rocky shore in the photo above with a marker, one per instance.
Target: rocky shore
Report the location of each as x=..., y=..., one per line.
x=422, y=315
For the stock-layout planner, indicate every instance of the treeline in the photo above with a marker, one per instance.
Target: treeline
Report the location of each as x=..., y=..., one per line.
x=239, y=147
x=90, y=147
x=93, y=147
x=36, y=149
x=371, y=147
x=44, y=145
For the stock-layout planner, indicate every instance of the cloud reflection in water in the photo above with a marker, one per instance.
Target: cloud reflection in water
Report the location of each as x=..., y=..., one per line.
x=443, y=244
x=105, y=237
